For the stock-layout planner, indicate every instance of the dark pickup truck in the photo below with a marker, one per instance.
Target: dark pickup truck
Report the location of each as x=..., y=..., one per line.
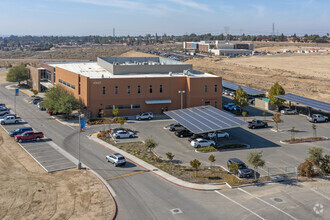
x=29, y=136
x=257, y=124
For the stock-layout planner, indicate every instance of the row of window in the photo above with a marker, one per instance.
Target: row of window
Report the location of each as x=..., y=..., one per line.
x=150, y=89
x=67, y=84
x=111, y=107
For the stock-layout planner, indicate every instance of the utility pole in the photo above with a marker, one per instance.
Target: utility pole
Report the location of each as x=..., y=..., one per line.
x=113, y=33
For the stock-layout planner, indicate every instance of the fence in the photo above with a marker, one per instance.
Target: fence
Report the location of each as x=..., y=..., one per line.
x=283, y=174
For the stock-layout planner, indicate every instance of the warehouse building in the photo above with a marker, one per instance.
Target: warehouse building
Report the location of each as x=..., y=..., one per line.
x=136, y=84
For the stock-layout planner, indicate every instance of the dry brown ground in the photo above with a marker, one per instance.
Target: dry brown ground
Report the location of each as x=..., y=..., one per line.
x=28, y=192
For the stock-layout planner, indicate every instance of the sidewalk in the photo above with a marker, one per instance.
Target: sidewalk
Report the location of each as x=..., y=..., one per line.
x=156, y=171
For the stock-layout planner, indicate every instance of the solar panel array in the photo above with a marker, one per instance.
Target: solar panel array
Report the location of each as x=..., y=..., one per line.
x=204, y=119
x=234, y=87
x=323, y=106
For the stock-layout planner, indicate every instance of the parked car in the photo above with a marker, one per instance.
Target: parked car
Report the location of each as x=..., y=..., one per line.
x=2, y=105
x=176, y=127
x=5, y=115
x=116, y=159
x=229, y=105
x=232, y=94
x=257, y=124
x=288, y=111
x=184, y=133
x=115, y=130
x=36, y=100
x=10, y=120
x=220, y=134
x=199, y=142
x=4, y=111
x=145, y=115
x=39, y=105
x=29, y=136
x=195, y=136
x=225, y=92
x=317, y=118
x=251, y=100
x=123, y=134
x=19, y=131
x=243, y=170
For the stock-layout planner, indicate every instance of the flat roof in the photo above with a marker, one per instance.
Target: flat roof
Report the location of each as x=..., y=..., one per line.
x=248, y=90
x=204, y=119
x=95, y=71
x=323, y=106
x=141, y=61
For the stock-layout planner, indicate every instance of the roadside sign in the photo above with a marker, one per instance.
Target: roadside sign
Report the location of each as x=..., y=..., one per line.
x=83, y=125
x=16, y=92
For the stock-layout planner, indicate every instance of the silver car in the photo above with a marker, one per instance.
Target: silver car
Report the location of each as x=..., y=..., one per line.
x=116, y=159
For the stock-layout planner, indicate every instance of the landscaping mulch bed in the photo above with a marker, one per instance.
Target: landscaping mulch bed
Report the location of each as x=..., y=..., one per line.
x=302, y=140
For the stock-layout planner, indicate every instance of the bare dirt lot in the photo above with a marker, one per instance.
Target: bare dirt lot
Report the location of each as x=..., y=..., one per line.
x=28, y=192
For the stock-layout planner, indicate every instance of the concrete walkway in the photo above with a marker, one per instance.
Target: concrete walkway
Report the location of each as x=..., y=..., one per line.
x=155, y=170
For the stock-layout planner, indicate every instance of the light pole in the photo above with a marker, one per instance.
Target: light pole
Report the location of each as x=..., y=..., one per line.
x=182, y=92
x=79, y=163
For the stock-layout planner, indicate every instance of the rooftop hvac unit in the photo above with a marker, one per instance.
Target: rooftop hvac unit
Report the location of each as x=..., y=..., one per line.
x=170, y=73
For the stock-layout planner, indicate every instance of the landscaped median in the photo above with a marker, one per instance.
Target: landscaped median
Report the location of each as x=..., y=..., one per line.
x=302, y=140
x=221, y=148
x=202, y=177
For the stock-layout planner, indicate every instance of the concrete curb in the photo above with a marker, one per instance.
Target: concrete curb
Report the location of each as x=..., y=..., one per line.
x=155, y=170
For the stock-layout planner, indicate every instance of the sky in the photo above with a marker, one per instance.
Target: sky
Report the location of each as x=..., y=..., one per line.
x=171, y=17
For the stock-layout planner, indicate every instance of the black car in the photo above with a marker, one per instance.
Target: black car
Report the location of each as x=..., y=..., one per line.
x=243, y=170
x=36, y=100
x=195, y=136
x=19, y=131
x=184, y=133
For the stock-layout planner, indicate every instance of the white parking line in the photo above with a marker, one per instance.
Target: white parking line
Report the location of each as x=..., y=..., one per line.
x=60, y=164
x=51, y=161
x=240, y=205
x=268, y=204
x=317, y=192
x=39, y=152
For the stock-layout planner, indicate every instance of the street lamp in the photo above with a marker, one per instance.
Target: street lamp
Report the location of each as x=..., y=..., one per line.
x=182, y=92
x=79, y=163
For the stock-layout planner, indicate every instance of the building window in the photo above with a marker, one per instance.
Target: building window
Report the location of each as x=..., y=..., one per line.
x=161, y=88
x=116, y=90
x=215, y=88
x=216, y=104
x=67, y=84
x=108, y=107
x=103, y=90
x=207, y=103
x=135, y=106
x=123, y=106
x=139, y=89
x=78, y=84
x=128, y=89
x=205, y=88
x=150, y=89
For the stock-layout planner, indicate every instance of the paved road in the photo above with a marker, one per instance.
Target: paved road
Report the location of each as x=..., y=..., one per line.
x=142, y=195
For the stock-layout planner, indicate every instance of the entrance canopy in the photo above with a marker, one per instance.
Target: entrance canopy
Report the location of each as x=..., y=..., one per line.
x=323, y=106
x=249, y=91
x=204, y=119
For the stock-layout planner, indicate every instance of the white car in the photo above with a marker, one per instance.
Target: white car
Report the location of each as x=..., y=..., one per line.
x=145, y=115
x=221, y=134
x=288, y=111
x=199, y=142
x=123, y=134
x=10, y=120
x=116, y=159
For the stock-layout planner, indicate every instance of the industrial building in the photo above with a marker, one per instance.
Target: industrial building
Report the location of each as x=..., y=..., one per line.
x=219, y=48
x=132, y=84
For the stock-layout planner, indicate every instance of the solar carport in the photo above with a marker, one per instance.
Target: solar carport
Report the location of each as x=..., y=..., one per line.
x=204, y=119
x=249, y=91
x=312, y=103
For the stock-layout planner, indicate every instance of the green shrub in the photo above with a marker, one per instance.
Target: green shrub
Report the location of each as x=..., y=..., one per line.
x=306, y=168
x=206, y=149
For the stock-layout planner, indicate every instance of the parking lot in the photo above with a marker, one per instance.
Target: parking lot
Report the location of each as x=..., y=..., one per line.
x=278, y=156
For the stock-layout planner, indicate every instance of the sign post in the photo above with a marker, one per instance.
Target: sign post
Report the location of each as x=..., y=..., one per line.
x=16, y=94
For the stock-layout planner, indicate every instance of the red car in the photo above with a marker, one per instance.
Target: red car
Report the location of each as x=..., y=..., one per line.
x=29, y=136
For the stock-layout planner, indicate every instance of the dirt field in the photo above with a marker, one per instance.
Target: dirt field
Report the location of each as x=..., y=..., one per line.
x=28, y=192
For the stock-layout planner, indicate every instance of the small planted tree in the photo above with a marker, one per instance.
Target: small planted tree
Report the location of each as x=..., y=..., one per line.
x=241, y=98
x=115, y=112
x=315, y=155
x=244, y=113
x=277, y=119
x=195, y=164
x=121, y=121
x=170, y=156
x=150, y=144
x=211, y=159
x=233, y=167
x=314, y=130
x=292, y=133
x=275, y=90
x=255, y=159
x=306, y=169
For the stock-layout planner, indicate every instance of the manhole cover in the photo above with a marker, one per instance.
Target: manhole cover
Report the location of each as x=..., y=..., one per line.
x=278, y=200
x=176, y=211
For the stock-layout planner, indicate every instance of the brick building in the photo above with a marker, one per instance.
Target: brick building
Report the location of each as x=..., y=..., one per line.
x=136, y=84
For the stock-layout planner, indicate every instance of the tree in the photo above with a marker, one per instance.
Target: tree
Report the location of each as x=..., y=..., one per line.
x=244, y=113
x=241, y=98
x=211, y=159
x=170, y=156
x=314, y=130
x=325, y=165
x=277, y=119
x=67, y=104
x=121, y=121
x=18, y=74
x=255, y=159
x=306, y=168
x=150, y=144
x=115, y=112
x=275, y=90
x=315, y=155
x=233, y=167
x=195, y=164
x=292, y=133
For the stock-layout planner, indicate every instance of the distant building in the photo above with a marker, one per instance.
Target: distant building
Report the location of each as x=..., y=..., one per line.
x=220, y=48
x=132, y=84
